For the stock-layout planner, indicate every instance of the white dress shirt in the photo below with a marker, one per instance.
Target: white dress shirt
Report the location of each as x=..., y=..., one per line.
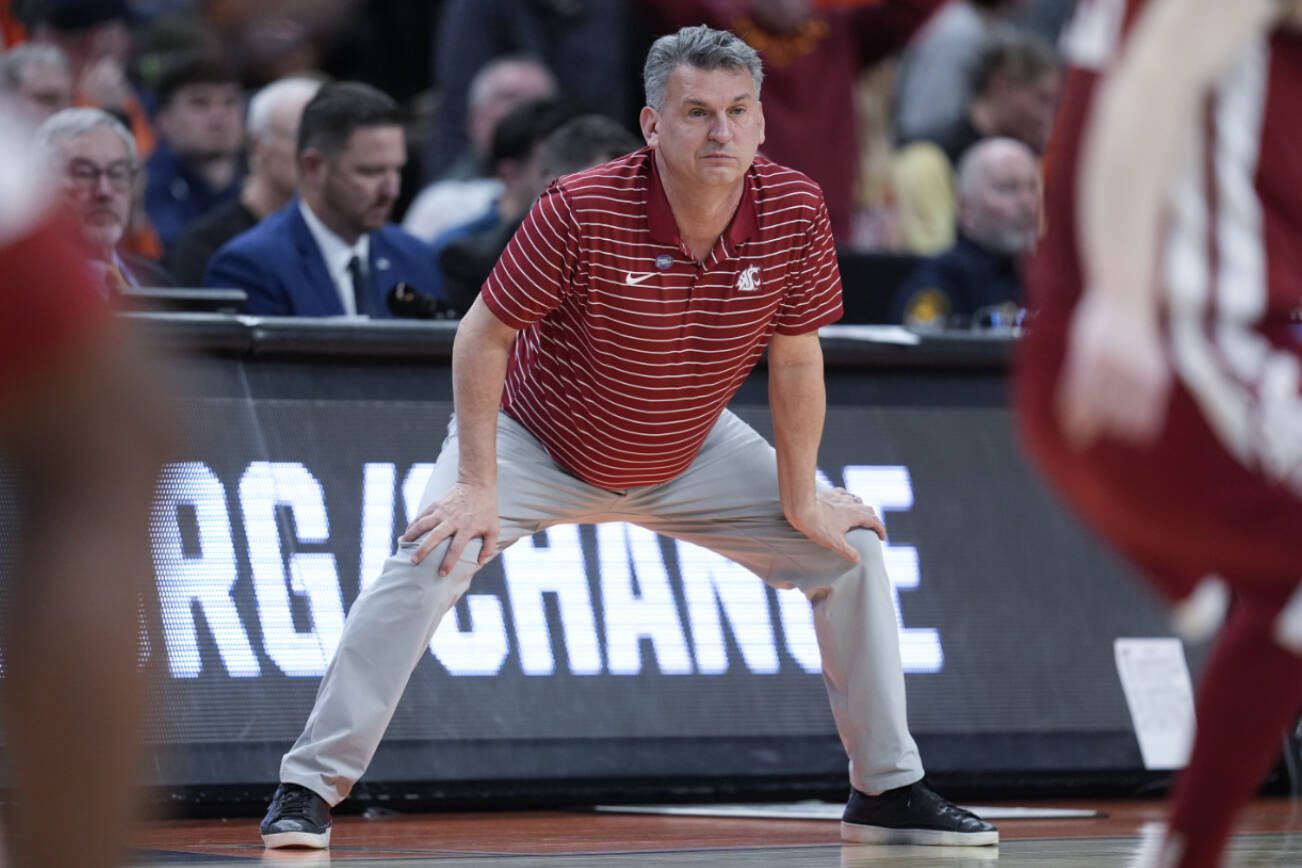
x=337, y=254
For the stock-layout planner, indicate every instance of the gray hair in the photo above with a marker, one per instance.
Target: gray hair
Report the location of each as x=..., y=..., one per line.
x=15, y=62
x=481, y=85
x=264, y=102
x=974, y=165
x=72, y=122
x=702, y=47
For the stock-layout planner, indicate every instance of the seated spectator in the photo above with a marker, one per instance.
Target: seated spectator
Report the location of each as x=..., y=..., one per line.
x=580, y=143
x=977, y=282
x=931, y=83
x=515, y=159
x=37, y=78
x=468, y=189
x=94, y=158
x=1014, y=93
x=588, y=45
x=272, y=124
x=95, y=36
x=331, y=251
x=196, y=165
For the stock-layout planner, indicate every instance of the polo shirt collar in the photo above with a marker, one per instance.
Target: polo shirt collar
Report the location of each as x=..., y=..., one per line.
x=660, y=216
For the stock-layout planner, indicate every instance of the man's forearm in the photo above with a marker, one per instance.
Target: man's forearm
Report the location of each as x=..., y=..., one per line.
x=798, y=403
x=479, y=356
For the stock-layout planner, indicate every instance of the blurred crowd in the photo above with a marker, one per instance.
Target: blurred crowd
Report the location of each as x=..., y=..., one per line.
x=176, y=132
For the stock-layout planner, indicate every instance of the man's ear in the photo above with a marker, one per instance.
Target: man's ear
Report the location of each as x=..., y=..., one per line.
x=311, y=166
x=649, y=120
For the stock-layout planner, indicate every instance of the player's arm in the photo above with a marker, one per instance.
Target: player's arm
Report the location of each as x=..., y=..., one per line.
x=1116, y=379
x=798, y=402
x=469, y=510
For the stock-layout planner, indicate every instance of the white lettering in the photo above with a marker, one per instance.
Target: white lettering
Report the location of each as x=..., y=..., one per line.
x=711, y=584
x=629, y=553
x=890, y=488
x=551, y=562
x=205, y=578
x=265, y=486
x=477, y=647
x=378, y=483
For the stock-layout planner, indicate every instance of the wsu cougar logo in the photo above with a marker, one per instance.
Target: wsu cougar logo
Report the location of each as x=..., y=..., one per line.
x=748, y=280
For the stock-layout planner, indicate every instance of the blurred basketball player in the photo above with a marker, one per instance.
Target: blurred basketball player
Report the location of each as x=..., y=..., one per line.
x=1158, y=384
x=82, y=441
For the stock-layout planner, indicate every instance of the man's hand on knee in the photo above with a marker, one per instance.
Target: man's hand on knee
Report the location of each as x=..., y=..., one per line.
x=831, y=514
x=466, y=512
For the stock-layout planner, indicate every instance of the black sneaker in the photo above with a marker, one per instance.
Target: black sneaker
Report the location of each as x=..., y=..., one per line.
x=297, y=817
x=912, y=815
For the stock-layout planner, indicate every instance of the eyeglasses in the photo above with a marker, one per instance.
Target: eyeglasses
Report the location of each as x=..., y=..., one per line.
x=86, y=174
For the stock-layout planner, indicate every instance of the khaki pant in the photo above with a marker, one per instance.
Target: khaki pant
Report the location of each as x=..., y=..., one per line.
x=726, y=501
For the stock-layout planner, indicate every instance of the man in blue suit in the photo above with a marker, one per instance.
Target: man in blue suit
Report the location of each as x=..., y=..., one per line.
x=331, y=250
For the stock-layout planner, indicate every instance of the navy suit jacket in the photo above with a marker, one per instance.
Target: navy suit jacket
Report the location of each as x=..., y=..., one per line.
x=281, y=268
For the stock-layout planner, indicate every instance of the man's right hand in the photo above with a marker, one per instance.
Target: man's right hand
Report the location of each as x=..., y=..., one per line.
x=467, y=511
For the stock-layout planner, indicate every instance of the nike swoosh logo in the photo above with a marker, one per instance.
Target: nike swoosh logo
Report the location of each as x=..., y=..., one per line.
x=633, y=280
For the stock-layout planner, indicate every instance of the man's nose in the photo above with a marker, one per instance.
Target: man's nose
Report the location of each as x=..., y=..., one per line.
x=720, y=128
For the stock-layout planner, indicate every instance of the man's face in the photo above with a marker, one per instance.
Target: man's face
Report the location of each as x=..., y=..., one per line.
x=354, y=191
x=512, y=85
x=46, y=88
x=710, y=128
x=96, y=177
x=203, y=121
x=1003, y=210
x=1025, y=110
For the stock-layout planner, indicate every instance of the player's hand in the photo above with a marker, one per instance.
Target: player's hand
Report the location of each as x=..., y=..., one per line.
x=464, y=513
x=830, y=515
x=1116, y=380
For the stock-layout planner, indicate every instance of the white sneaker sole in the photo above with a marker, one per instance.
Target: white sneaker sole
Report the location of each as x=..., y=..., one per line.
x=297, y=839
x=862, y=834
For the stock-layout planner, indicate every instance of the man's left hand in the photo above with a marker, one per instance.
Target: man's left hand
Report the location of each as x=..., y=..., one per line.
x=830, y=515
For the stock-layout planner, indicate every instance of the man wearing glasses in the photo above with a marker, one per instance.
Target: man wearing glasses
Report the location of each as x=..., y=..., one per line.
x=94, y=161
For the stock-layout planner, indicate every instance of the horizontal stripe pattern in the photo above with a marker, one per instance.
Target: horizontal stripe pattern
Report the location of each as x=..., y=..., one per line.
x=622, y=367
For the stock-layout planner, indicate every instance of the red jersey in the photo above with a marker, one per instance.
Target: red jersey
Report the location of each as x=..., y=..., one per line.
x=1231, y=261
x=630, y=349
x=47, y=302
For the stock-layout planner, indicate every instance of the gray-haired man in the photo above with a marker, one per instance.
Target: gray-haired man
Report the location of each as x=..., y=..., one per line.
x=572, y=406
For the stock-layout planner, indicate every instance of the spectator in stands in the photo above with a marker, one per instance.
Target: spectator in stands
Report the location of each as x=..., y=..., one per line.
x=331, y=250
x=587, y=45
x=977, y=281
x=514, y=156
x=272, y=124
x=1014, y=93
x=197, y=164
x=37, y=78
x=468, y=189
x=577, y=144
x=94, y=158
x=931, y=84
x=95, y=36
x=812, y=60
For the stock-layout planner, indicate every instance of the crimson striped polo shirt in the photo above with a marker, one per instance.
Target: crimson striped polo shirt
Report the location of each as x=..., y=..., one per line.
x=629, y=349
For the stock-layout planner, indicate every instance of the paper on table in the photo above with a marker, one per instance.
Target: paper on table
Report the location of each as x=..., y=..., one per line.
x=1155, y=679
